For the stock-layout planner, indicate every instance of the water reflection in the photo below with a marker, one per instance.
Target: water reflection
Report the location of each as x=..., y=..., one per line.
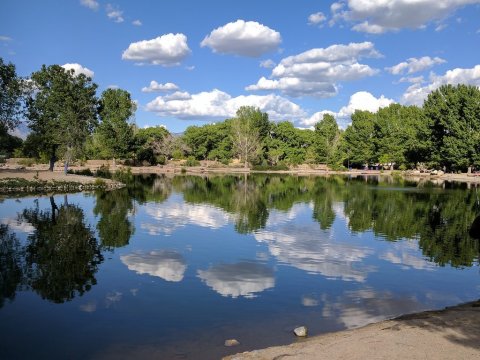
x=113, y=208
x=173, y=214
x=361, y=307
x=165, y=264
x=239, y=279
x=307, y=248
x=59, y=258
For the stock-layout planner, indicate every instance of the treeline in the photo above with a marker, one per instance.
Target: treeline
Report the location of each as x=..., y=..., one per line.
x=67, y=120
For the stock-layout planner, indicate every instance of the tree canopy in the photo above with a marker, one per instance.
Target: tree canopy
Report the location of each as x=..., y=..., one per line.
x=62, y=110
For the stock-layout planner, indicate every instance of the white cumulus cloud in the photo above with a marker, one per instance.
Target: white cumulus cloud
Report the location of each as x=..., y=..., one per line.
x=418, y=92
x=114, y=13
x=217, y=104
x=166, y=50
x=91, y=4
x=267, y=64
x=137, y=22
x=316, y=72
x=79, y=69
x=392, y=15
x=361, y=100
x=155, y=86
x=245, y=38
x=414, y=65
x=317, y=18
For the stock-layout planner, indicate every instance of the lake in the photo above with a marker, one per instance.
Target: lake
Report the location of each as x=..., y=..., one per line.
x=171, y=267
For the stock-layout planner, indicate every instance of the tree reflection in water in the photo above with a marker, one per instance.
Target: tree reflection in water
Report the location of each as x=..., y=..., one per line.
x=59, y=259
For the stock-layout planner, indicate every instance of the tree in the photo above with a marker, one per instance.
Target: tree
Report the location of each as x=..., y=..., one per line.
x=246, y=136
x=62, y=111
x=454, y=115
x=360, y=138
x=327, y=140
x=116, y=108
x=402, y=135
x=11, y=92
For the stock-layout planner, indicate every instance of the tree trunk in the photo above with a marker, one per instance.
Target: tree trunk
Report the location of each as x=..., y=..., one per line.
x=53, y=158
x=114, y=164
x=68, y=157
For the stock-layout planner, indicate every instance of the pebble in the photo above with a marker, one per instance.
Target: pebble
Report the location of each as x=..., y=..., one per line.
x=300, y=331
x=232, y=342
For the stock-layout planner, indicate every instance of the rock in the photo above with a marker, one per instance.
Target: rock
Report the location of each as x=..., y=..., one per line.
x=440, y=172
x=300, y=331
x=232, y=342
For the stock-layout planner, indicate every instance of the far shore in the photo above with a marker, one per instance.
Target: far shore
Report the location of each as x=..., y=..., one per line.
x=39, y=178
x=452, y=333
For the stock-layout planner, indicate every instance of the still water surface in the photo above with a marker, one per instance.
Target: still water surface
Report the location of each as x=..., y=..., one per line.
x=172, y=267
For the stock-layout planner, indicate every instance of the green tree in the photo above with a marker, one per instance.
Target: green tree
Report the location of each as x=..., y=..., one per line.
x=454, y=115
x=211, y=141
x=359, y=139
x=152, y=143
x=116, y=108
x=402, y=135
x=327, y=141
x=62, y=111
x=246, y=133
x=11, y=93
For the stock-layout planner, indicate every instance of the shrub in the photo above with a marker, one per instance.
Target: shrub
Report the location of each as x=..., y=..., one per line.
x=183, y=170
x=402, y=167
x=123, y=175
x=84, y=172
x=191, y=161
x=103, y=172
x=26, y=162
x=100, y=182
x=161, y=159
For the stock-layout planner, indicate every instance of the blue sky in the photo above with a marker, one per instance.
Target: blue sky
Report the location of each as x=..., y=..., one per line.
x=295, y=60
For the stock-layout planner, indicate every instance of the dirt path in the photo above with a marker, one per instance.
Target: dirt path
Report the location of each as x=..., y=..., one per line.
x=453, y=333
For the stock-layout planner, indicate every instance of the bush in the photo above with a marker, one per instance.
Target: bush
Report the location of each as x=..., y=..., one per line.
x=103, y=172
x=191, y=161
x=183, y=170
x=84, y=172
x=100, y=182
x=161, y=159
x=123, y=175
x=26, y=162
x=402, y=167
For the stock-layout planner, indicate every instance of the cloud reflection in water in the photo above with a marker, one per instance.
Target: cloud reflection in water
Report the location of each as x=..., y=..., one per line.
x=165, y=264
x=239, y=279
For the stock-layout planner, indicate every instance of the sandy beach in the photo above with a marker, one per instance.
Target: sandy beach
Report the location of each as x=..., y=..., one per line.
x=453, y=333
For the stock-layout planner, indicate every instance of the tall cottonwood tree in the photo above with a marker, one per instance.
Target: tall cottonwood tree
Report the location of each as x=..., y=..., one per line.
x=247, y=128
x=61, y=111
x=454, y=115
x=116, y=108
x=327, y=140
x=11, y=91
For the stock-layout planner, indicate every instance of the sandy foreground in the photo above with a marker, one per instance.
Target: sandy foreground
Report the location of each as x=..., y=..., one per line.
x=453, y=333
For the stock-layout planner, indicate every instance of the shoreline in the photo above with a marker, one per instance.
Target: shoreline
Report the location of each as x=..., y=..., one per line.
x=17, y=179
x=14, y=181
x=451, y=333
